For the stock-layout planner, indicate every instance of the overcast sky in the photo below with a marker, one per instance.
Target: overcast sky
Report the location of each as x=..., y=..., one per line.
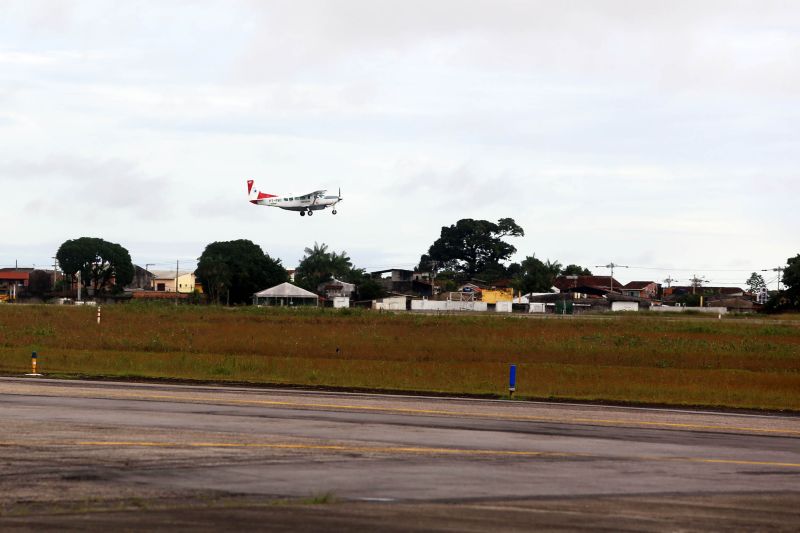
x=663, y=135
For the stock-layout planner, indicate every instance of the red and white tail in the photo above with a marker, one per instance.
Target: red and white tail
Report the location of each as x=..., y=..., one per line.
x=254, y=195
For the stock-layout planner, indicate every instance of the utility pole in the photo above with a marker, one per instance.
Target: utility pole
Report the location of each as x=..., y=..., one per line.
x=612, y=266
x=779, y=270
x=696, y=282
x=434, y=264
x=147, y=271
x=669, y=281
x=55, y=263
x=177, y=263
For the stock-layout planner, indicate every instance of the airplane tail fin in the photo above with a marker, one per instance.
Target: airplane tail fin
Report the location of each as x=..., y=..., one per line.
x=254, y=195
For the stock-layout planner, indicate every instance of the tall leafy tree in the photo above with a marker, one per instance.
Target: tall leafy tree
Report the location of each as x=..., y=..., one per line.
x=536, y=275
x=319, y=265
x=472, y=246
x=791, y=274
x=755, y=282
x=789, y=298
x=99, y=262
x=39, y=282
x=234, y=270
x=575, y=270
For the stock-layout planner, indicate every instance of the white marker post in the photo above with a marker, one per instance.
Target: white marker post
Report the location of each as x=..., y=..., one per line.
x=98, y=314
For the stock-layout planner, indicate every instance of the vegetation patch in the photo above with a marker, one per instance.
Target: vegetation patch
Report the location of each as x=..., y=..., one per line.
x=692, y=361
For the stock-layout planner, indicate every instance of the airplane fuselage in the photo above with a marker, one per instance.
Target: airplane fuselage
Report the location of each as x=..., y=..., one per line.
x=299, y=203
x=305, y=204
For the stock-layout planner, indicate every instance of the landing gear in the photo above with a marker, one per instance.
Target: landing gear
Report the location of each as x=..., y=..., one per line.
x=310, y=212
x=302, y=213
x=334, y=211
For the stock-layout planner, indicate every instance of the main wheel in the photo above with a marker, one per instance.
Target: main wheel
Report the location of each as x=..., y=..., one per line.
x=334, y=211
x=302, y=213
x=310, y=212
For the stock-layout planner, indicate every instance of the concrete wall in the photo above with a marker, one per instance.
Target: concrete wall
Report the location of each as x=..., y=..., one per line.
x=502, y=307
x=397, y=303
x=624, y=306
x=447, y=305
x=676, y=309
x=429, y=305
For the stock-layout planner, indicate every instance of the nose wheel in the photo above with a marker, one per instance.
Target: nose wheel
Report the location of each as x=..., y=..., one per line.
x=334, y=211
x=302, y=213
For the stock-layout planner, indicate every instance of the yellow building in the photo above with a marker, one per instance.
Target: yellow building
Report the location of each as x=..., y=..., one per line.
x=492, y=296
x=187, y=282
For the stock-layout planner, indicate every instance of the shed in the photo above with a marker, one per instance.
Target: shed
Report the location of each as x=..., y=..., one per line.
x=285, y=294
x=391, y=303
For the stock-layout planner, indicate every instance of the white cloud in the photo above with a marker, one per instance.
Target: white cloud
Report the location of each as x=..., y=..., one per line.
x=626, y=129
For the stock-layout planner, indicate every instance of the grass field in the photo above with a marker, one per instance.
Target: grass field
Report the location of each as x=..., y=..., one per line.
x=749, y=363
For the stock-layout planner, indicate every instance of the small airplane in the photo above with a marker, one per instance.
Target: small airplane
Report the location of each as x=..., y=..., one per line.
x=306, y=203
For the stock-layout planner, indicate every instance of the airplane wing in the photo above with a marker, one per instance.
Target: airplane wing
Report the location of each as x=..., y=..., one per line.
x=314, y=196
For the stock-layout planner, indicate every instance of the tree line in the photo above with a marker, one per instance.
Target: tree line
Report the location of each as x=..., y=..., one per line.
x=231, y=271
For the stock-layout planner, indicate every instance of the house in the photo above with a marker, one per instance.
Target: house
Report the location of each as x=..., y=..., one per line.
x=12, y=282
x=402, y=281
x=588, y=285
x=470, y=288
x=492, y=296
x=647, y=290
x=142, y=279
x=164, y=281
x=336, y=288
x=734, y=304
x=675, y=291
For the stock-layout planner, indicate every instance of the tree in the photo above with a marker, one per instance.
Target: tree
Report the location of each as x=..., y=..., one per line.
x=756, y=282
x=789, y=298
x=318, y=265
x=536, y=276
x=369, y=289
x=235, y=270
x=471, y=246
x=39, y=283
x=575, y=270
x=791, y=274
x=99, y=262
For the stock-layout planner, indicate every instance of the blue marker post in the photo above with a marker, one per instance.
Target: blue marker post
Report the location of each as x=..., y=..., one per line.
x=512, y=380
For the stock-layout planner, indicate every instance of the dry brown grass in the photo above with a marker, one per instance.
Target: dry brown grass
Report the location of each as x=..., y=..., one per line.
x=693, y=361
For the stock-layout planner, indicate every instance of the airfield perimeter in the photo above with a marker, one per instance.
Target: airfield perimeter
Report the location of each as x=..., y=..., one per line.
x=751, y=363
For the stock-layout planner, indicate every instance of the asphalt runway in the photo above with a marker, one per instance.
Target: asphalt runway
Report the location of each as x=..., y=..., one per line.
x=95, y=455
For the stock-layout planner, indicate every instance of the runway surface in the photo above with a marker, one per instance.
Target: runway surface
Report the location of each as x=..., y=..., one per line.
x=93, y=455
